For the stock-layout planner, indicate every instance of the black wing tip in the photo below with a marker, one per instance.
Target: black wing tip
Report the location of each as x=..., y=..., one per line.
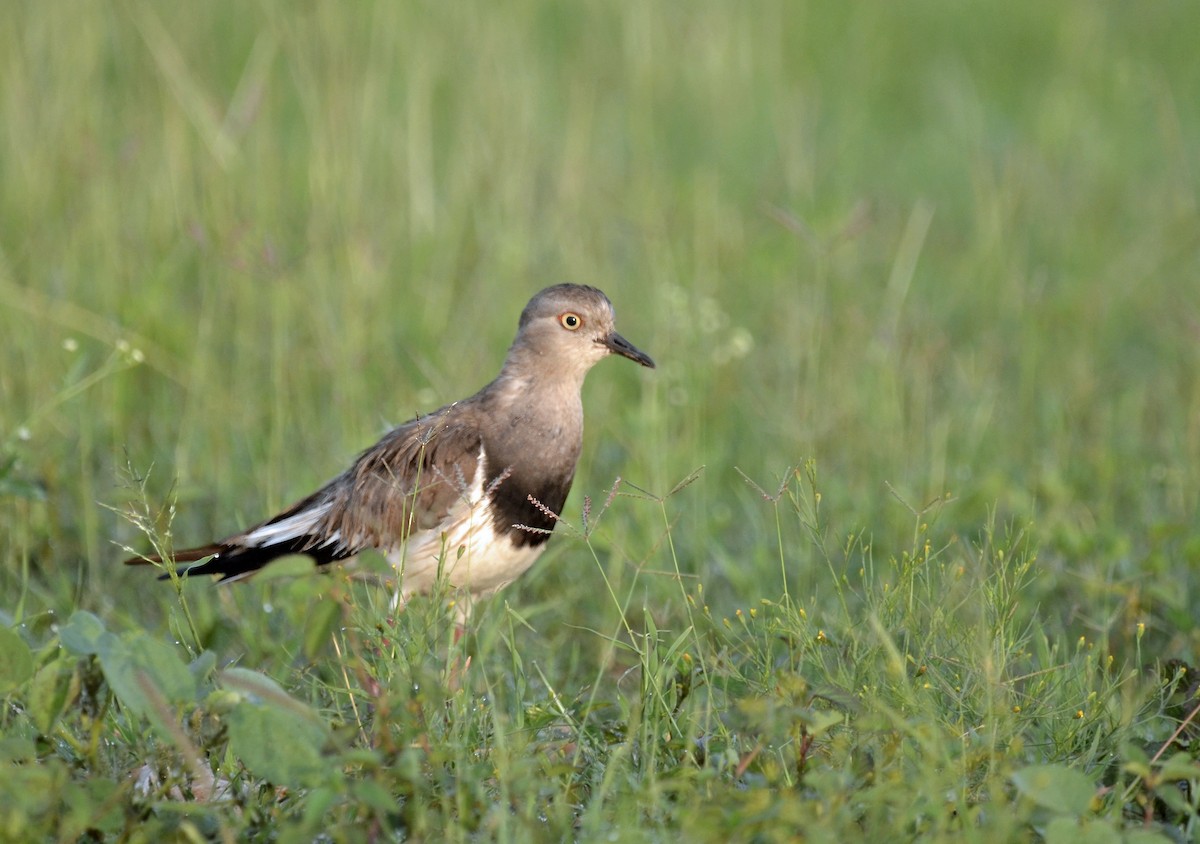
x=239, y=563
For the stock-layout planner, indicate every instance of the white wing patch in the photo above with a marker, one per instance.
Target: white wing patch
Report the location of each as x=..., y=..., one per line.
x=293, y=527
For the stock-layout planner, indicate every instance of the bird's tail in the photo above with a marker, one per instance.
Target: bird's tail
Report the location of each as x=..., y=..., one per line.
x=296, y=530
x=235, y=561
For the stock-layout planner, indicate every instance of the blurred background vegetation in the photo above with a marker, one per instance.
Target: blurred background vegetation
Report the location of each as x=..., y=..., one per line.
x=941, y=249
x=951, y=250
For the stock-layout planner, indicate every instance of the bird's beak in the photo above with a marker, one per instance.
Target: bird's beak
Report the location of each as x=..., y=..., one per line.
x=619, y=345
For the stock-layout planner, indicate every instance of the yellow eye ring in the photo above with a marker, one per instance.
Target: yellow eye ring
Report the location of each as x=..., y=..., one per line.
x=570, y=321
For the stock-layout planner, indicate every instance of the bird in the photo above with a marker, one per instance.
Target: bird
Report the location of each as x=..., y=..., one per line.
x=470, y=492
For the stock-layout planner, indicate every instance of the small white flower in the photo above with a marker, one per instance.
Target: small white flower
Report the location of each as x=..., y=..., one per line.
x=71, y=344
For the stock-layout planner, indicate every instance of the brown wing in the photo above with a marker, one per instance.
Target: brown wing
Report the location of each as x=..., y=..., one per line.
x=407, y=481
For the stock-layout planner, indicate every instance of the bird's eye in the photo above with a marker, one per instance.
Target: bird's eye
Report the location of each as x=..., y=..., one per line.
x=570, y=321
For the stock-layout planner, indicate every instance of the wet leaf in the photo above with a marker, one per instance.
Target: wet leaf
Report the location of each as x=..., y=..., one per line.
x=82, y=633
x=1056, y=787
x=53, y=688
x=129, y=664
x=16, y=661
x=1064, y=830
x=278, y=744
x=322, y=621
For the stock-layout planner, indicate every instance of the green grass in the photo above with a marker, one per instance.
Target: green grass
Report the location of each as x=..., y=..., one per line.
x=922, y=283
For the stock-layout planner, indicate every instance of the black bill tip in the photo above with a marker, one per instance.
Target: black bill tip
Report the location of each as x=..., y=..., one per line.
x=619, y=345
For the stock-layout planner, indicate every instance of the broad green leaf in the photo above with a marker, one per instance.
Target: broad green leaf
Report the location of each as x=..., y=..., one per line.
x=54, y=686
x=1133, y=753
x=16, y=662
x=1056, y=787
x=278, y=744
x=82, y=633
x=276, y=736
x=322, y=621
x=253, y=684
x=1145, y=836
x=129, y=664
x=259, y=688
x=1064, y=830
x=203, y=665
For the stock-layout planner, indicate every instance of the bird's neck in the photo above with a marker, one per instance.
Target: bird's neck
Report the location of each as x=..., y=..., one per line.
x=535, y=414
x=552, y=379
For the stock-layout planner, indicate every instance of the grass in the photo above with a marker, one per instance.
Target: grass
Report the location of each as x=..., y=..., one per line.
x=906, y=538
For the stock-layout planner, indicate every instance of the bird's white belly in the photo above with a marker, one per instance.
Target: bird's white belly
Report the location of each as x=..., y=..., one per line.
x=468, y=554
